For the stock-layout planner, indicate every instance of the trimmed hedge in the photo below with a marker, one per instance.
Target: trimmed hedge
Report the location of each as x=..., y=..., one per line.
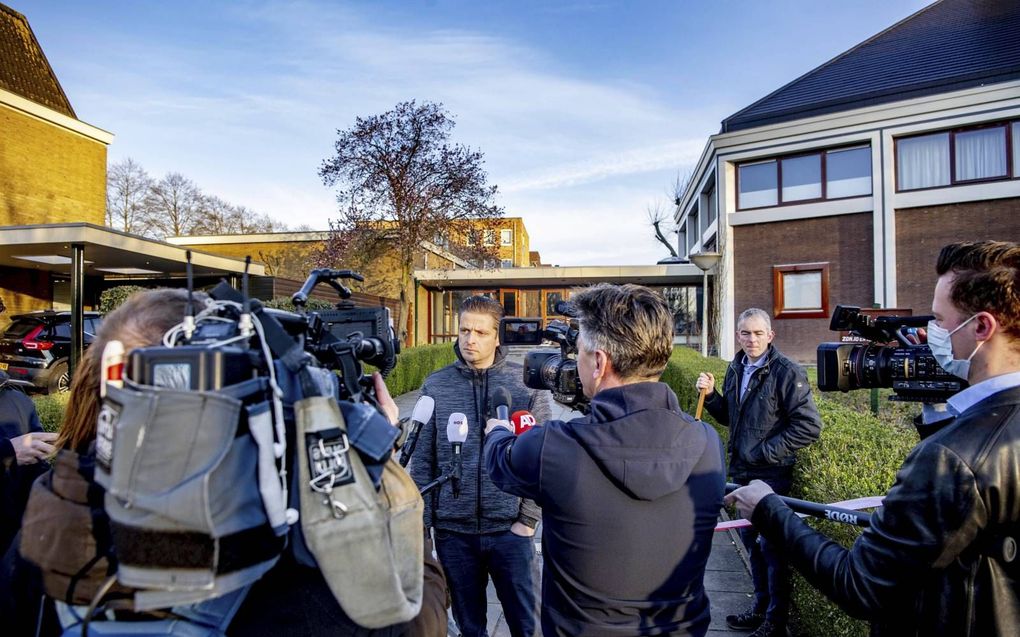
x=112, y=298
x=50, y=408
x=857, y=455
x=415, y=363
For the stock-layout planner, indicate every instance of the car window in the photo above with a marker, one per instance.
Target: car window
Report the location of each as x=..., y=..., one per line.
x=61, y=330
x=18, y=329
x=91, y=325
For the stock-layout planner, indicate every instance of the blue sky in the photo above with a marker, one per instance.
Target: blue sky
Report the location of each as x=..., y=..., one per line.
x=585, y=110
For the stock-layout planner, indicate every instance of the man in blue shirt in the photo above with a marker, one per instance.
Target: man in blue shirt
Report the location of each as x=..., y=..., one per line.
x=940, y=557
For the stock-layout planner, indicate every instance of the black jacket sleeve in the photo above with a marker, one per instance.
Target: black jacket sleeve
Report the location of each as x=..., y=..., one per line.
x=928, y=518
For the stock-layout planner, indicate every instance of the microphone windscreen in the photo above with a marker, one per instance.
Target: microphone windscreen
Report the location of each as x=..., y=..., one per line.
x=501, y=398
x=523, y=421
x=423, y=409
x=457, y=427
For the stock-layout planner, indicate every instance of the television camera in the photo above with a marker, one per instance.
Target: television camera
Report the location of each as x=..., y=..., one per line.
x=885, y=356
x=547, y=368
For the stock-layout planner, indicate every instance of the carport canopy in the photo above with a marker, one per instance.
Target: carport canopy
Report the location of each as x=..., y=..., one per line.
x=78, y=249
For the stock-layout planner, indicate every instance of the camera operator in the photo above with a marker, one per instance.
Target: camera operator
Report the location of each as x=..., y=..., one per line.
x=940, y=555
x=630, y=493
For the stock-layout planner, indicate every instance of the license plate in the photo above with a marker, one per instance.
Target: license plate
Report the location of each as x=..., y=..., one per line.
x=3, y=367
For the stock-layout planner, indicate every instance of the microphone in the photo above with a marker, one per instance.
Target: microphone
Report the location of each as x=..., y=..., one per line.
x=422, y=414
x=523, y=421
x=501, y=399
x=456, y=433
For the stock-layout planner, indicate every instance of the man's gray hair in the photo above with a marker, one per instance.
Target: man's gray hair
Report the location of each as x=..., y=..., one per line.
x=752, y=312
x=631, y=323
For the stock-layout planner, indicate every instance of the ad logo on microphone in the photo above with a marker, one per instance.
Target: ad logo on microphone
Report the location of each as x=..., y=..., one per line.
x=523, y=421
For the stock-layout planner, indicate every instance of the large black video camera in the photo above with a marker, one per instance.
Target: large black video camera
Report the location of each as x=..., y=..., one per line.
x=884, y=357
x=219, y=348
x=552, y=369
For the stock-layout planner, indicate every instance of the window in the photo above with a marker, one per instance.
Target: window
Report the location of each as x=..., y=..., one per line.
x=848, y=172
x=1016, y=149
x=507, y=263
x=506, y=237
x=802, y=178
x=830, y=174
x=693, y=232
x=440, y=240
x=758, y=185
x=948, y=158
x=490, y=237
x=710, y=211
x=801, y=291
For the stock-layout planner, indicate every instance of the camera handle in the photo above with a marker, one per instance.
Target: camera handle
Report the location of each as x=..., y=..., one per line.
x=315, y=277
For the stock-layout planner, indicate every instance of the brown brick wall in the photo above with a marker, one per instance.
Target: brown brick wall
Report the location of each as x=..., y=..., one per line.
x=921, y=233
x=49, y=174
x=844, y=241
x=24, y=290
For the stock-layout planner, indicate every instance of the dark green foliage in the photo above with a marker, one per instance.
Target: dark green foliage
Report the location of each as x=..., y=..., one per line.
x=112, y=298
x=51, y=409
x=415, y=363
x=283, y=303
x=857, y=455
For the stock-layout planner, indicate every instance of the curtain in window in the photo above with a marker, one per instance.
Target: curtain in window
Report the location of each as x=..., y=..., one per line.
x=923, y=162
x=981, y=154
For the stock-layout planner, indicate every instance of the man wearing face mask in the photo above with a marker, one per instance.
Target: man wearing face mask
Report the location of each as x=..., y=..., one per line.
x=941, y=556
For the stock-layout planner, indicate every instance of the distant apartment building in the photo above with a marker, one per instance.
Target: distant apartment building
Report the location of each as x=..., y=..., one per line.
x=841, y=186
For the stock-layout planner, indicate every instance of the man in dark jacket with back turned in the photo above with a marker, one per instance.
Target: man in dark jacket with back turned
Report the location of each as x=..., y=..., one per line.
x=766, y=402
x=630, y=493
x=940, y=557
x=482, y=531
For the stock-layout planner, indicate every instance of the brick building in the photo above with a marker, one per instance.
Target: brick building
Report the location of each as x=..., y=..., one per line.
x=52, y=165
x=841, y=187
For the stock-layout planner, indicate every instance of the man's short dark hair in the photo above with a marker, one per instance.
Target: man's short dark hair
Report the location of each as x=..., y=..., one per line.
x=479, y=304
x=630, y=323
x=987, y=279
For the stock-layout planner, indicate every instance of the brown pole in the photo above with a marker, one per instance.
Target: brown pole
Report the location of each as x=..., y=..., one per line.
x=701, y=403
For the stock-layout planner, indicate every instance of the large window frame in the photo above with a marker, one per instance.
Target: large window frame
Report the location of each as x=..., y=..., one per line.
x=822, y=154
x=780, y=309
x=1012, y=172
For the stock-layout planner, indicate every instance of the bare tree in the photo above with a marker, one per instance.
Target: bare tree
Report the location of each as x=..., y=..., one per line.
x=175, y=205
x=401, y=181
x=127, y=186
x=661, y=214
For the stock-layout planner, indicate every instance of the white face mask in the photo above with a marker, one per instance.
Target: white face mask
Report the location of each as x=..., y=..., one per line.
x=941, y=344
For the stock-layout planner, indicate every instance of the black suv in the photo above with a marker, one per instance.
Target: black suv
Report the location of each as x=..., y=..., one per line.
x=34, y=350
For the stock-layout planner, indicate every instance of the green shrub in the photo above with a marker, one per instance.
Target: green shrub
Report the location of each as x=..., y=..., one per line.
x=415, y=363
x=857, y=455
x=112, y=298
x=284, y=303
x=51, y=409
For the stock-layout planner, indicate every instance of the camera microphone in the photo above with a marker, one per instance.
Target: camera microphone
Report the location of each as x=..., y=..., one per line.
x=456, y=433
x=522, y=421
x=422, y=414
x=501, y=399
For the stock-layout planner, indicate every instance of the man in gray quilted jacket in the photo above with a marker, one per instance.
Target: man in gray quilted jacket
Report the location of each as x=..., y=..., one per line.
x=483, y=531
